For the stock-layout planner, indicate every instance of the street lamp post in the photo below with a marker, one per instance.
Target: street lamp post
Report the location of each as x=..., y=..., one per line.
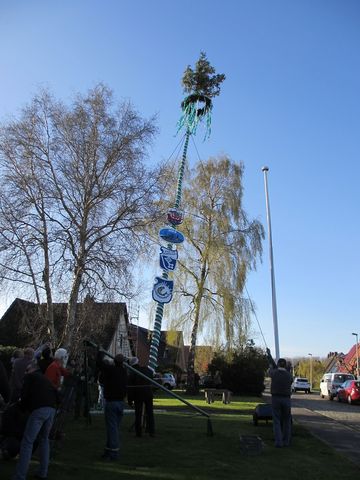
x=311, y=371
x=357, y=355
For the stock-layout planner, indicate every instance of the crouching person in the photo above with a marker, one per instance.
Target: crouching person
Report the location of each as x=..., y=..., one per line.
x=40, y=398
x=13, y=423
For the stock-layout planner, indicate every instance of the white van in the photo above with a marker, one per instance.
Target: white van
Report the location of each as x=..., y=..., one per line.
x=330, y=382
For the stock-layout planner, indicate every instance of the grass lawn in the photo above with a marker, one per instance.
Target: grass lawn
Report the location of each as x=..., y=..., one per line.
x=182, y=450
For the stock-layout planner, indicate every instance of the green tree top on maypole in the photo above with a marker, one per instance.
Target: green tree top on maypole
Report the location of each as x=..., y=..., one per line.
x=202, y=80
x=201, y=85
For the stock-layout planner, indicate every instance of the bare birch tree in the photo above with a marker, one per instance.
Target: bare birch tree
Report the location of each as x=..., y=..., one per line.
x=79, y=188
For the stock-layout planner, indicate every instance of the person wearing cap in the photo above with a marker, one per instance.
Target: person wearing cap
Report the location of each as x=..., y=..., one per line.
x=56, y=370
x=40, y=398
x=114, y=381
x=281, y=380
x=140, y=393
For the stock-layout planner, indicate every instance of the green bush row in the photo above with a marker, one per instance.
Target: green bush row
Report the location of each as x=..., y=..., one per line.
x=6, y=352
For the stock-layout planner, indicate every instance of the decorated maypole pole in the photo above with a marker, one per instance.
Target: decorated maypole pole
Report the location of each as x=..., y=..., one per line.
x=201, y=85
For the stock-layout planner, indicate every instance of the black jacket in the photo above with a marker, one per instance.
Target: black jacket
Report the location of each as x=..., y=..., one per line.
x=4, y=383
x=139, y=388
x=113, y=379
x=37, y=392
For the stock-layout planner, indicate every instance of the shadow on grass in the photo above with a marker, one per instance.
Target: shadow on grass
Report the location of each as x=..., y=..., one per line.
x=182, y=450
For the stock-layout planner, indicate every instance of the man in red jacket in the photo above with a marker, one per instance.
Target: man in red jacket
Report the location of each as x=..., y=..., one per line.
x=57, y=369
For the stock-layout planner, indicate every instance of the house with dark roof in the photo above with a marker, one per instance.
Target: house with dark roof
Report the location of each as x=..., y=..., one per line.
x=104, y=323
x=171, y=356
x=333, y=362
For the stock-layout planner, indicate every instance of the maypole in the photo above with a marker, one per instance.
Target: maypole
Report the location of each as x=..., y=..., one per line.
x=201, y=84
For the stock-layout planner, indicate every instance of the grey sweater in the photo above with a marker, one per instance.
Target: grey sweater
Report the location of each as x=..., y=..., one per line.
x=281, y=381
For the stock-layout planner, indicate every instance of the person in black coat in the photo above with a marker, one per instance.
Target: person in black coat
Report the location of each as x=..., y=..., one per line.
x=40, y=398
x=140, y=393
x=114, y=378
x=4, y=383
x=45, y=359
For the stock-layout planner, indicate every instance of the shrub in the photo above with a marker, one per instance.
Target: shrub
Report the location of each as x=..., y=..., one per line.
x=6, y=352
x=243, y=372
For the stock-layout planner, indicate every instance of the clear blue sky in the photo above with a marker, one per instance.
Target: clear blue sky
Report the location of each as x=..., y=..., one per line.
x=290, y=101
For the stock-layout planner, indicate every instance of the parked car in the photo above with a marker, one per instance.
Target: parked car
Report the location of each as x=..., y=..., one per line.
x=330, y=382
x=349, y=391
x=301, y=384
x=166, y=380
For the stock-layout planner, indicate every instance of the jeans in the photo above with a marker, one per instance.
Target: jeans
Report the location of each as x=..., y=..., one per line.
x=113, y=416
x=39, y=423
x=281, y=407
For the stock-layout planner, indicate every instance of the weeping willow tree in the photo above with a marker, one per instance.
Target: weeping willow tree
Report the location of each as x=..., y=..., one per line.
x=222, y=247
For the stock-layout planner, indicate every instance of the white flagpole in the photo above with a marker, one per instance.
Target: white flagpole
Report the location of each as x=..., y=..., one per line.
x=272, y=272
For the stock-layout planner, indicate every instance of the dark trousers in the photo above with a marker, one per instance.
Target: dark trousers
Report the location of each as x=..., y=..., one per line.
x=281, y=407
x=147, y=402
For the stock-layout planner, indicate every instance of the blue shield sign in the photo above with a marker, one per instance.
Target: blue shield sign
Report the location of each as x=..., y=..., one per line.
x=162, y=290
x=168, y=259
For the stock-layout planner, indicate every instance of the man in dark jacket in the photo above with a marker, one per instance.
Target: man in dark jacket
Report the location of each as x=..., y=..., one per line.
x=281, y=381
x=45, y=359
x=18, y=372
x=4, y=383
x=140, y=393
x=40, y=398
x=114, y=380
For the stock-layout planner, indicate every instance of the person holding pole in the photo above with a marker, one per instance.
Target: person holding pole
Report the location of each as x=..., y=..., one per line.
x=140, y=393
x=114, y=379
x=281, y=381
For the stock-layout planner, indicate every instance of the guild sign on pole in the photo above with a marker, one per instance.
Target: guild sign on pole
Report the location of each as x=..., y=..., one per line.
x=175, y=216
x=162, y=290
x=168, y=259
x=171, y=235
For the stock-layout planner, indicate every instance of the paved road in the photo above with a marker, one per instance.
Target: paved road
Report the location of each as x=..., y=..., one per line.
x=342, y=412
x=337, y=424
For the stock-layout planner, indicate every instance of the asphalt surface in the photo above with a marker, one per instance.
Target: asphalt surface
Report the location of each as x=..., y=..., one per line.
x=336, y=424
